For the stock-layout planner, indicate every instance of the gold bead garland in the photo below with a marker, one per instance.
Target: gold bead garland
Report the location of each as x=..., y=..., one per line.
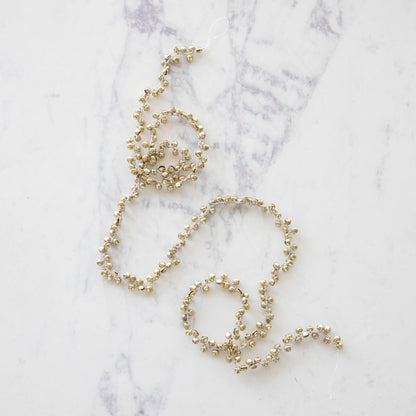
x=146, y=154
x=145, y=166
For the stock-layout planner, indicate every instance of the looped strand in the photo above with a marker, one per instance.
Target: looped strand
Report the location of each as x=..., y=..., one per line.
x=146, y=165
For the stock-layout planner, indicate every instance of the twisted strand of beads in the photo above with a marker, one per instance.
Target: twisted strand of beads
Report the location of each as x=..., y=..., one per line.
x=143, y=165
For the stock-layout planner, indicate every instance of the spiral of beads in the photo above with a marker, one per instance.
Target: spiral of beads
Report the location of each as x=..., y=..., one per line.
x=147, y=154
x=146, y=166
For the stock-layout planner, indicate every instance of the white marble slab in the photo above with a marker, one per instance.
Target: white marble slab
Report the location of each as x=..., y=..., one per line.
x=309, y=104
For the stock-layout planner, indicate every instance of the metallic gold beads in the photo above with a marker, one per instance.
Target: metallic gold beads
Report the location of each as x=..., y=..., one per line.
x=146, y=163
x=148, y=153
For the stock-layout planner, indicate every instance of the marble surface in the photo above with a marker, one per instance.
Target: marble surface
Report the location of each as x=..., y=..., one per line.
x=309, y=104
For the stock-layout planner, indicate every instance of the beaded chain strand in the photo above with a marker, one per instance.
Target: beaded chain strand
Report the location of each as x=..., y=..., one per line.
x=148, y=172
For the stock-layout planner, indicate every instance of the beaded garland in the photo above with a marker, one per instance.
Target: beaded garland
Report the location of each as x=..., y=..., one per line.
x=146, y=166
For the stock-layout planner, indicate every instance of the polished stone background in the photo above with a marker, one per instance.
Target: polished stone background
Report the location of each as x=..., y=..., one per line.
x=309, y=104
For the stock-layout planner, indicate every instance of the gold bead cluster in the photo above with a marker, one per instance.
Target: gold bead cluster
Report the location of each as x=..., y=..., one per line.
x=145, y=165
x=146, y=161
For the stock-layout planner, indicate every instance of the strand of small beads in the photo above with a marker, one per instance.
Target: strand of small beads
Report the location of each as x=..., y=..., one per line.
x=145, y=165
x=239, y=338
